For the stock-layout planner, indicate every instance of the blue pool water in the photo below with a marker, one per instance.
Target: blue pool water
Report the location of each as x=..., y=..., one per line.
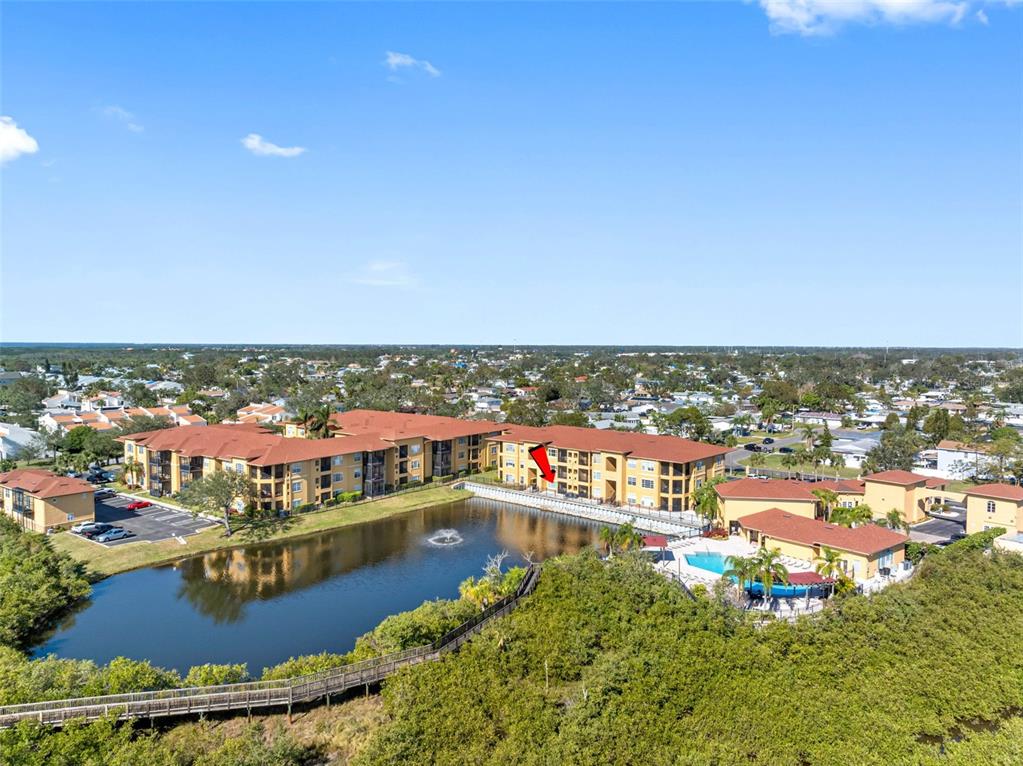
x=717, y=563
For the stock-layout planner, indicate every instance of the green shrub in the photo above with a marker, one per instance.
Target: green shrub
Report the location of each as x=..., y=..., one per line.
x=423, y=625
x=309, y=663
x=216, y=675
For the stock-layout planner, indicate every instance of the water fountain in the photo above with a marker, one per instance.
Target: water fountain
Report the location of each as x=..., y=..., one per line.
x=445, y=537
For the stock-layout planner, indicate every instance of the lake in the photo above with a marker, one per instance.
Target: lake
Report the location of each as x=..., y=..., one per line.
x=263, y=603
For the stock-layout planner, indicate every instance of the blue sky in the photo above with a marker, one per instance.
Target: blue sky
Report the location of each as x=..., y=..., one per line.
x=719, y=173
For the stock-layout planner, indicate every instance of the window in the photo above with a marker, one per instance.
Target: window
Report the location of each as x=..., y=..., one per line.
x=415, y=465
x=415, y=449
x=337, y=460
x=632, y=464
x=509, y=463
x=648, y=483
x=296, y=486
x=509, y=447
x=631, y=481
x=358, y=488
x=699, y=483
x=461, y=455
x=699, y=464
x=296, y=503
x=596, y=475
x=648, y=465
x=461, y=440
x=631, y=499
x=357, y=457
x=596, y=459
x=551, y=452
x=296, y=468
x=338, y=477
x=357, y=475
x=990, y=506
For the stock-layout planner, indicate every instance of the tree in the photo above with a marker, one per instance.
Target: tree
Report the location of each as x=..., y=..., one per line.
x=706, y=499
x=769, y=410
x=34, y=449
x=847, y=517
x=132, y=471
x=141, y=396
x=744, y=569
x=756, y=460
x=770, y=570
x=809, y=435
x=896, y=451
x=829, y=564
x=577, y=419
x=217, y=493
x=891, y=422
x=894, y=520
x=688, y=422
x=525, y=412
x=620, y=539
x=828, y=499
x=791, y=461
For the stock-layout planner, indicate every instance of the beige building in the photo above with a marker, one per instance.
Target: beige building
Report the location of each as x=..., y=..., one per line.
x=40, y=500
x=911, y=494
x=621, y=468
x=994, y=505
x=371, y=453
x=864, y=550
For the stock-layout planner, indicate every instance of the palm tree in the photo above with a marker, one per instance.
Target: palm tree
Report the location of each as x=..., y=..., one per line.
x=756, y=460
x=828, y=500
x=318, y=422
x=621, y=539
x=743, y=568
x=790, y=461
x=829, y=565
x=847, y=517
x=809, y=435
x=895, y=521
x=706, y=498
x=607, y=539
x=770, y=569
x=132, y=470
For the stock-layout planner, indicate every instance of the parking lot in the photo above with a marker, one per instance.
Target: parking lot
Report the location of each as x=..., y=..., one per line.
x=157, y=522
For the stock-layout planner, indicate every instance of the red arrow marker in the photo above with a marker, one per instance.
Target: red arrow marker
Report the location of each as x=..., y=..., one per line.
x=539, y=455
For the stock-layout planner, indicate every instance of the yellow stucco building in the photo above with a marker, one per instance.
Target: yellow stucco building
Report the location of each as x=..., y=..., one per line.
x=39, y=500
x=994, y=505
x=371, y=453
x=909, y=493
x=865, y=550
x=616, y=467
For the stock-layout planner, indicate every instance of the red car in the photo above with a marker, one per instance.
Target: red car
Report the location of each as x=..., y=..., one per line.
x=138, y=504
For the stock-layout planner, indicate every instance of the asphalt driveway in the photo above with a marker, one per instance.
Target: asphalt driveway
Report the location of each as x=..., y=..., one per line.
x=157, y=522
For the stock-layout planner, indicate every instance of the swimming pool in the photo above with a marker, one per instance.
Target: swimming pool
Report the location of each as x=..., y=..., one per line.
x=715, y=562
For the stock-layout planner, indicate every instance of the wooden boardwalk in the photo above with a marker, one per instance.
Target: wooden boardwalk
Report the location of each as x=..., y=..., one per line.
x=261, y=694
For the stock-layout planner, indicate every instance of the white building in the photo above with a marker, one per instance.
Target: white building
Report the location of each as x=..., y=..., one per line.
x=12, y=438
x=956, y=460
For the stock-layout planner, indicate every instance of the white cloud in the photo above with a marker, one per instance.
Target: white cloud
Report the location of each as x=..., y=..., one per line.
x=823, y=17
x=982, y=17
x=256, y=144
x=15, y=141
x=395, y=61
x=124, y=116
x=385, y=274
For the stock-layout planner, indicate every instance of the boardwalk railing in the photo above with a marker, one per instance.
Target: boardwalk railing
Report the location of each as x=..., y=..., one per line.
x=262, y=694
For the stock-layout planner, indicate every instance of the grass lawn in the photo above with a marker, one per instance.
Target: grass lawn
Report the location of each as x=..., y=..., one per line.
x=773, y=461
x=103, y=561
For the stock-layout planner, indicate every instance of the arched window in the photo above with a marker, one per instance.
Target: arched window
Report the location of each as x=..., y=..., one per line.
x=990, y=506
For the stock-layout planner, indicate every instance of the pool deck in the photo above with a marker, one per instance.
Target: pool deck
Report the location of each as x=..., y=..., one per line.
x=732, y=546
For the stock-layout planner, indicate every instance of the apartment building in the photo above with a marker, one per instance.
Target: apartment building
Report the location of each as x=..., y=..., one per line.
x=864, y=550
x=743, y=497
x=371, y=452
x=622, y=468
x=39, y=500
x=286, y=473
x=109, y=419
x=994, y=505
x=911, y=494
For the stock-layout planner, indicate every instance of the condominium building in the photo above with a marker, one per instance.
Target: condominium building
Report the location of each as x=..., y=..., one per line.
x=660, y=472
x=371, y=453
x=863, y=550
x=911, y=494
x=994, y=505
x=39, y=500
x=746, y=496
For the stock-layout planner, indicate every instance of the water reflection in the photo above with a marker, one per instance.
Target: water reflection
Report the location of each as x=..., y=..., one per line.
x=266, y=602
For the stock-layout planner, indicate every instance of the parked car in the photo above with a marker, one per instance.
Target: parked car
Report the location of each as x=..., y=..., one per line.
x=138, y=504
x=768, y=440
x=786, y=450
x=114, y=533
x=85, y=526
x=752, y=447
x=97, y=529
x=105, y=492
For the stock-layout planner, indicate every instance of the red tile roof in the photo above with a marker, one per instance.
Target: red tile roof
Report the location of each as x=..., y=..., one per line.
x=401, y=425
x=43, y=484
x=868, y=539
x=842, y=486
x=250, y=443
x=997, y=491
x=670, y=449
x=902, y=478
x=766, y=489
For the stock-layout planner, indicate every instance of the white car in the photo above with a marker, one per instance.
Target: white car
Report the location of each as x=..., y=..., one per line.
x=84, y=526
x=117, y=533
